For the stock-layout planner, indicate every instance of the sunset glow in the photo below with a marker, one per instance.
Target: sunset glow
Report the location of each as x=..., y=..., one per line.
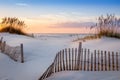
x=58, y=16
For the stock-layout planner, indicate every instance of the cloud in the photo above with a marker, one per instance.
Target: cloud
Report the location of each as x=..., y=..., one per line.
x=22, y=4
x=73, y=25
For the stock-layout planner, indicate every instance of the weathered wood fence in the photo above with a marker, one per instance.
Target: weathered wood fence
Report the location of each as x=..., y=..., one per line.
x=15, y=53
x=83, y=59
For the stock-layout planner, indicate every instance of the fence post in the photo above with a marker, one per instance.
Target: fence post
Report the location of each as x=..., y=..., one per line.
x=105, y=61
x=117, y=66
x=113, y=61
x=91, y=61
x=66, y=59
x=85, y=60
x=98, y=60
x=109, y=62
x=81, y=59
x=60, y=60
x=3, y=46
x=95, y=60
x=75, y=59
x=101, y=60
x=63, y=61
x=1, y=39
x=72, y=58
x=22, y=55
x=80, y=46
x=88, y=60
x=79, y=51
x=69, y=59
x=1, y=43
x=55, y=63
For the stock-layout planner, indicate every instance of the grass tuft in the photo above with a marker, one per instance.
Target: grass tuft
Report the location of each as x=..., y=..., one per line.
x=13, y=30
x=13, y=25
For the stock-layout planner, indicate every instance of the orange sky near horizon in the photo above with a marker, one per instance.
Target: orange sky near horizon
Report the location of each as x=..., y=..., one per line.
x=51, y=24
x=60, y=30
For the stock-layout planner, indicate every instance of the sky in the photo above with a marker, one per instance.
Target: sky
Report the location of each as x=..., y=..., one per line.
x=58, y=16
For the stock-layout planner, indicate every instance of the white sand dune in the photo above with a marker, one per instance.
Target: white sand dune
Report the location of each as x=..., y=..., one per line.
x=39, y=53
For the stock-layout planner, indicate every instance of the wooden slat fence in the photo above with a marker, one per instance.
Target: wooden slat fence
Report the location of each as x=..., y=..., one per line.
x=84, y=60
x=15, y=53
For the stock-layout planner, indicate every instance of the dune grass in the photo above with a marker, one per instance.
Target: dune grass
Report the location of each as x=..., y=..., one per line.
x=109, y=33
x=13, y=25
x=108, y=26
x=13, y=30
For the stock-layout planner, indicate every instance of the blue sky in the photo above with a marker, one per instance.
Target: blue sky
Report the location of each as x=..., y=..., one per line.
x=91, y=6
x=64, y=2
x=95, y=7
x=58, y=12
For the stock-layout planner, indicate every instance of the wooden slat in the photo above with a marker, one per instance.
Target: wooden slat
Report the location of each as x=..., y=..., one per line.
x=60, y=60
x=101, y=60
x=55, y=63
x=113, y=61
x=3, y=46
x=98, y=60
x=22, y=54
x=1, y=40
x=109, y=61
x=72, y=58
x=88, y=60
x=78, y=61
x=81, y=65
x=75, y=59
x=85, y=60
x=69, y=59
x=95, y=60
x=79, y=51
x=91, y=61
x=105, y=57
x=66, y=59
x=117, y=66
x=63, y=60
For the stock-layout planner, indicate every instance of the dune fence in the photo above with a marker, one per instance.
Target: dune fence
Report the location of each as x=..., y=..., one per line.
x=15, y=53
x=79, y=59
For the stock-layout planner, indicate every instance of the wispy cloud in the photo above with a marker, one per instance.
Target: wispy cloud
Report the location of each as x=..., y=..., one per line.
x=73, y=25
x=22, y=4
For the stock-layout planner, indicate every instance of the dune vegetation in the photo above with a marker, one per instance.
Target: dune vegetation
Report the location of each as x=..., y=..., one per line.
x=108, y=26
x=13, y=25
